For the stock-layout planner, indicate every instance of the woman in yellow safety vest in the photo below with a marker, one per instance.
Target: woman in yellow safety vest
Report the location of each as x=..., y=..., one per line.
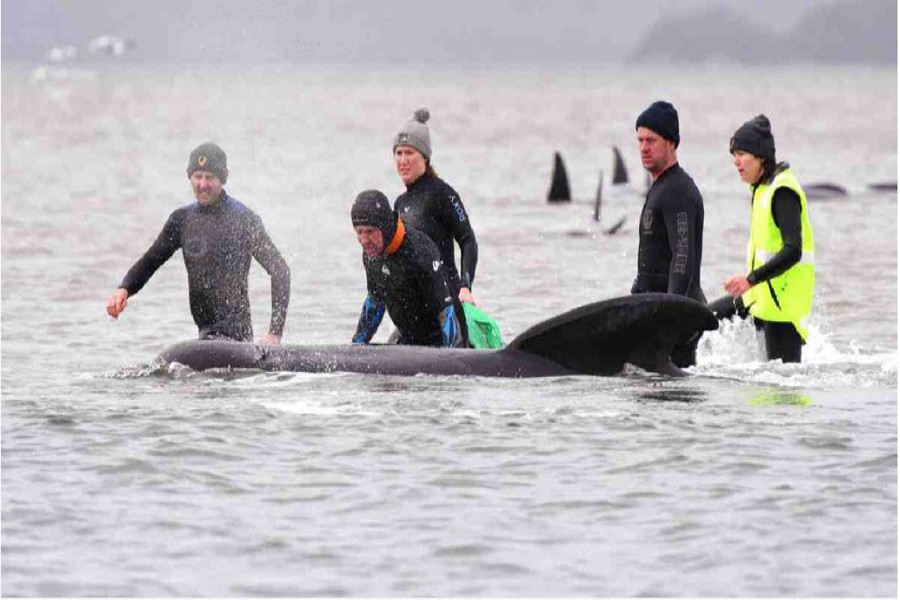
x=778, y=288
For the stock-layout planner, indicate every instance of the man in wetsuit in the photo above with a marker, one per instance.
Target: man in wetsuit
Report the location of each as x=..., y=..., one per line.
x=405, y=275
x=217, y=236
x=670, y=246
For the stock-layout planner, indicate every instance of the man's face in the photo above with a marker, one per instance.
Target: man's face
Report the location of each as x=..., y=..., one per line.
x=207, y=186
x=410, y=163
x=370, y=239
x=657, y=153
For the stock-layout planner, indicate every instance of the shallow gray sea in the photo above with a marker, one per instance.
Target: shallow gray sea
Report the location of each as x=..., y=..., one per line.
x=748, y=478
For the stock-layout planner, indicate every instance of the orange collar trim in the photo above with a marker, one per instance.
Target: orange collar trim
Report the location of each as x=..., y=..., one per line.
x=399, y=235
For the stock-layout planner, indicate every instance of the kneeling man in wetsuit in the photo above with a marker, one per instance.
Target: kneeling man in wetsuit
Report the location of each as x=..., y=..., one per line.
x=404, y=275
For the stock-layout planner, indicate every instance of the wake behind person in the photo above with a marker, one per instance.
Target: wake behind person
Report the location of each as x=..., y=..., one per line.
x=405, y=276
x=670, y=248
x=217, y=236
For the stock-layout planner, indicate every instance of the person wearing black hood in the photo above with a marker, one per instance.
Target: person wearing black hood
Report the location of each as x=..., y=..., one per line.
x=218, y=236
x=670, y=248
x=778, y=287
x=405, y=276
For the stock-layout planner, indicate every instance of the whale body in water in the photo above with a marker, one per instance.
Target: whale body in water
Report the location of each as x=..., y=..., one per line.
x=595, y=339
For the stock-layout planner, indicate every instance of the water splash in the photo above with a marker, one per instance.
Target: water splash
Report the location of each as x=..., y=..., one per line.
x=737, y=350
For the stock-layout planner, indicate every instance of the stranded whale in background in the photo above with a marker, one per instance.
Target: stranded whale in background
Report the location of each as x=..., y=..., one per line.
x=595, y=339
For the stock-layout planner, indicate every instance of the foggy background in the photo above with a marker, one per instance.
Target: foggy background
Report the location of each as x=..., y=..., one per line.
x=458, y=32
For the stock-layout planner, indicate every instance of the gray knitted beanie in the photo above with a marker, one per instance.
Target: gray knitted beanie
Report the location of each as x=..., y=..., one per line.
x=415, y=133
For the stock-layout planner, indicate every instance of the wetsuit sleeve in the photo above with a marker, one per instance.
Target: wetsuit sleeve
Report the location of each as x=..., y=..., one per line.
x=369, y=320
x=680, y=217
x=457, y=220
x=786, y=211
x=162, y=249
x=268, y=256
x=451, y=333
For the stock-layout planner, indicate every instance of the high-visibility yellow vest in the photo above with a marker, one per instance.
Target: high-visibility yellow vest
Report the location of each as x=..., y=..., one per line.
x=788, y=297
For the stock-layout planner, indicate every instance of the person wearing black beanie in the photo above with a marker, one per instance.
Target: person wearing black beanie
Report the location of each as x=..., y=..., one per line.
x=219, y=237
x=670, y=242
x=405, y=276
x=778, y=287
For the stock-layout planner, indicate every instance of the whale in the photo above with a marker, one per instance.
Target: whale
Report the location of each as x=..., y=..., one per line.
x=596, y=339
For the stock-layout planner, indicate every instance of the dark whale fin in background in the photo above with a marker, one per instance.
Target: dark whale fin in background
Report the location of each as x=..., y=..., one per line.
x=559, y=186
x=883, y=186
x=618, y=224
x=824, y=190
x=595, y=339
x=620, y=173
x=615, y=227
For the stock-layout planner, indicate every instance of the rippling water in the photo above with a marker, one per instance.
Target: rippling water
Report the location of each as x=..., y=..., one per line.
x=747, y=479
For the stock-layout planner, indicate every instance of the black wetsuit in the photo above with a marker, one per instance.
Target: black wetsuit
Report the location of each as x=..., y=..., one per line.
x=670, y=248
x=782, y=339
x=412, y=285
x=217, y=242
x=435, y=209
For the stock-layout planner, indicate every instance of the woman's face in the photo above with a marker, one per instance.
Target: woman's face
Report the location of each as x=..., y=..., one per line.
x=409, y=162
x=749, y=167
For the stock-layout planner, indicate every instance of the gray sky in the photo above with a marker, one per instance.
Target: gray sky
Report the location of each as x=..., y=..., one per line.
x=589, y=31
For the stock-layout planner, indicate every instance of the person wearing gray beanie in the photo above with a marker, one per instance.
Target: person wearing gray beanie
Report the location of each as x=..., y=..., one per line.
x=670, y=232
x=405, y=277
x=218, y=236
x=434, y=207
x=777, y=290
x=415, y=134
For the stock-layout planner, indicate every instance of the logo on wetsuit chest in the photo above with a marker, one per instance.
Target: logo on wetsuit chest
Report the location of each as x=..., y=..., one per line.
x=647, y=219
x=385, y=270
x=194, y=247
x=436, y=264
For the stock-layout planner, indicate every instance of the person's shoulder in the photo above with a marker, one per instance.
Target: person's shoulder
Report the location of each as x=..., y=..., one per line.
x=684, y=179
x=445, y=188
x=236, y=205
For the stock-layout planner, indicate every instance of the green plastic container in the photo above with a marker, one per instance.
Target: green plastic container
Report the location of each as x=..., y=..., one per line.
x=483, y=330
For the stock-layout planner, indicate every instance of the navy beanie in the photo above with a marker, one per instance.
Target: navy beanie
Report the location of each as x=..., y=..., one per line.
x=372, y=209
x=209, y=157
x=755, y=137
x=662, y=118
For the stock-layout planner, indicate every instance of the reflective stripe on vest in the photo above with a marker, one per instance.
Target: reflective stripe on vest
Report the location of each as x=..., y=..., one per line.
x=788, y=297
